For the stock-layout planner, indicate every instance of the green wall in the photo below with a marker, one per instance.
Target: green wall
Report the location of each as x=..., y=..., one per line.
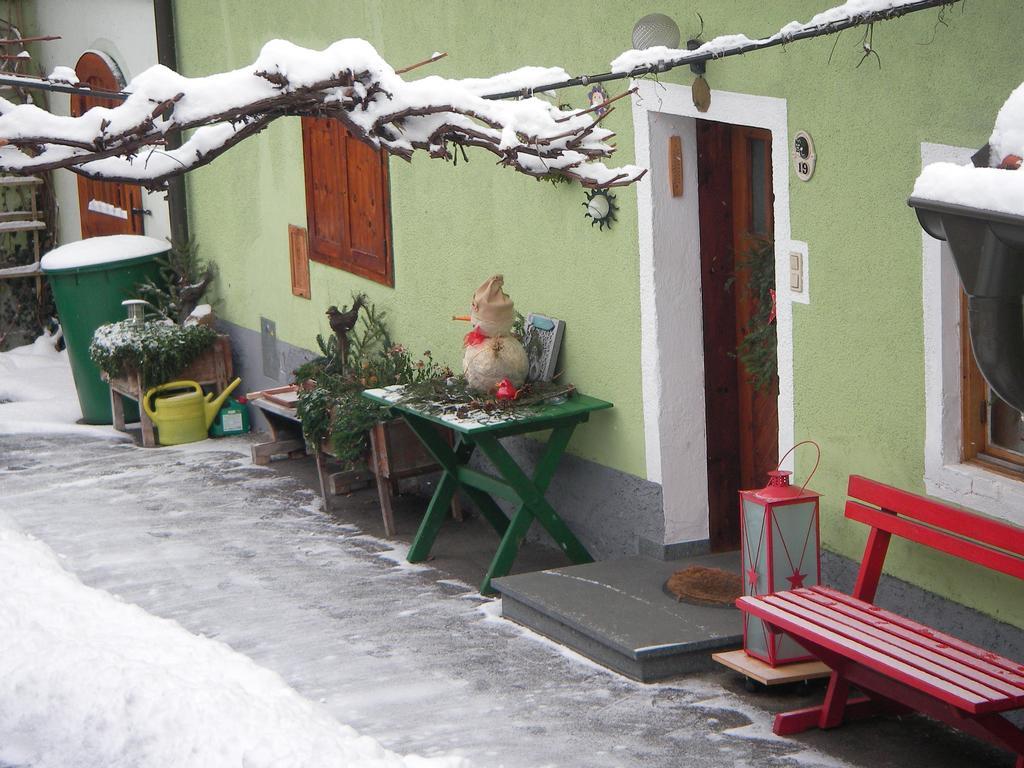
x=859, y=357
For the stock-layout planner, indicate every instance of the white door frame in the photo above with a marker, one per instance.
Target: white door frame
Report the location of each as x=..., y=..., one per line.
x=672, y=347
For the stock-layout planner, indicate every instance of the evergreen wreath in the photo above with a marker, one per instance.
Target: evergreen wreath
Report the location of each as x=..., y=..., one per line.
x=758, y=350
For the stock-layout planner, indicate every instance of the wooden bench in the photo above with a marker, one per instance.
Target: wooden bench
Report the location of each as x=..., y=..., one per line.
x=900, y=665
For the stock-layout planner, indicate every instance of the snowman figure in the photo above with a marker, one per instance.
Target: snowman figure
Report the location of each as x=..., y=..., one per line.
x=492, y=353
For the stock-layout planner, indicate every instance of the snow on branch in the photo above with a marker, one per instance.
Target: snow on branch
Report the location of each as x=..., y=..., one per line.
x=852, y=13
x=348, y=81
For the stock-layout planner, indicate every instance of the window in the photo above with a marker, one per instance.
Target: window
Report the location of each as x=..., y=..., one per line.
x=993, y=431
x=983, y=480
x=347, y=201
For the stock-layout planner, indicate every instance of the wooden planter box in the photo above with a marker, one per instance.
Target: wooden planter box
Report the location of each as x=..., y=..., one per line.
x=213, y=369
x=395, y=453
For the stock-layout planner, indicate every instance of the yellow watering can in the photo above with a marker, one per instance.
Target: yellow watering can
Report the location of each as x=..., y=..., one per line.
x=183, y=417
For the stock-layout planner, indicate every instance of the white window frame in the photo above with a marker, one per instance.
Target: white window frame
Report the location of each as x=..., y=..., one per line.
x=946, y=475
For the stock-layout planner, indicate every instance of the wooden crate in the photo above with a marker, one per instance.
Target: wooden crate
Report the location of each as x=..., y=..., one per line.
x=213, y=368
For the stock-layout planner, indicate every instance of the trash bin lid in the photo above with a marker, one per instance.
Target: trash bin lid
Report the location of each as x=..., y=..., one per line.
x=100, y=253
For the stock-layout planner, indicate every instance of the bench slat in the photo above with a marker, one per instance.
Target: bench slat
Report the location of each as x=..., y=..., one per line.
x=905, y=655
x=800, y=626
x=911, y=650
x=976, y=658
x=981, y=554
x=921, y=629
x=991, y=533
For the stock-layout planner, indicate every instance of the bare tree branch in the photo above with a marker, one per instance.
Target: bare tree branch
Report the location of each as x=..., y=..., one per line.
x=348, y=81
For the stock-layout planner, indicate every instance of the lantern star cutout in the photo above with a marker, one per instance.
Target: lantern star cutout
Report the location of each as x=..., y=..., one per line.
x=796, y=580
x=752, y=577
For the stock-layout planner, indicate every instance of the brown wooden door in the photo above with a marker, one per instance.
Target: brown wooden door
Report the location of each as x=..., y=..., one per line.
x=735, y=202
x=106, y=207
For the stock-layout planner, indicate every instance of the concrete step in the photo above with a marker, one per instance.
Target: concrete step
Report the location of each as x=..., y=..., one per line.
x=618, y=614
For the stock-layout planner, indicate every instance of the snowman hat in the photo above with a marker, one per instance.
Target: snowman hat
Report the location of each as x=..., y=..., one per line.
x=491, y=305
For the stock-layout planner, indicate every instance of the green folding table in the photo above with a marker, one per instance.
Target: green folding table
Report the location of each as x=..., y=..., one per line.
x=512, y=483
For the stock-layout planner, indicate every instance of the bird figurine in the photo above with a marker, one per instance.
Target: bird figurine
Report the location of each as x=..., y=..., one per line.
x=342, y=322
x=189, y=294
x=493, y=354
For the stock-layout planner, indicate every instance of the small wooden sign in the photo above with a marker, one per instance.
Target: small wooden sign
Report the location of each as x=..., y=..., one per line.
x=675, y=165
x=298, y=255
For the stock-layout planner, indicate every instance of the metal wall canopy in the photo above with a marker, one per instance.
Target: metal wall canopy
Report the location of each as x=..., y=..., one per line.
x=988, y=249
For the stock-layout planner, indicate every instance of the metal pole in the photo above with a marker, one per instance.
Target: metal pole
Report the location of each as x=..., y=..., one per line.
x=167, y=54
x=753, y=45
x=36, y=84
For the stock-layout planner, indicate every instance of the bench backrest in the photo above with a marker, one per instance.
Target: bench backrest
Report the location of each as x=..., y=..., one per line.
x=963, y=534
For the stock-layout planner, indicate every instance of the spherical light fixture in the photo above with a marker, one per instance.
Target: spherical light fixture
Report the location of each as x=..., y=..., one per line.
x=655, y=29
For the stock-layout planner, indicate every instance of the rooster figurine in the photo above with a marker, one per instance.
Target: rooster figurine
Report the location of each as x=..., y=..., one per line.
x=492, y=352
x=342, y=322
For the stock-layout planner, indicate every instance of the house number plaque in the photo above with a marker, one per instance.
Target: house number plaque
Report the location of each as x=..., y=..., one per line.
x=803, y=156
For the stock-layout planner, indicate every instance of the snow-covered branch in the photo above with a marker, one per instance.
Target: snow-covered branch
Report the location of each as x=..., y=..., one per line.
x=348, y=81
x=852, y=13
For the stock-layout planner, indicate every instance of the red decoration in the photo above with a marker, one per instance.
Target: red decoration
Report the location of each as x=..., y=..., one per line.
x=506, y=390
x=796, y=580
x=752, y=577
x=772, y=315
x=1011, y=162
x=474, y=337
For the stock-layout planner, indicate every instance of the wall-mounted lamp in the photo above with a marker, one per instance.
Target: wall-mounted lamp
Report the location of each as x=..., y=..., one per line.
x=601, y=208
x=655, y=29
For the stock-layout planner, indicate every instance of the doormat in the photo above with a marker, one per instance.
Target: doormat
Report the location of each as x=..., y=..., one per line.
x=705, y=586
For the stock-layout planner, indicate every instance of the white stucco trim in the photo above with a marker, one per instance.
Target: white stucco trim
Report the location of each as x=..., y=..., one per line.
x=945, y=476
x=672, y=352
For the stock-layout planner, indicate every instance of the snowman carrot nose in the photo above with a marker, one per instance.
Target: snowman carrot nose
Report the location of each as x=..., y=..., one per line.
x=463, y=318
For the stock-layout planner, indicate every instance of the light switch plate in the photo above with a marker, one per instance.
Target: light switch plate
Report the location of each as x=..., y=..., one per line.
x=799, y=272
x=796, y=272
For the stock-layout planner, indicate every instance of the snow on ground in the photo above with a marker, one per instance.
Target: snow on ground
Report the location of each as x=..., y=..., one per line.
x=88, y=680
x=37, y=393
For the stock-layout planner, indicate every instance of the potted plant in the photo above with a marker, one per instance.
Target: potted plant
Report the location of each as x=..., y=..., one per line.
x=334, y=415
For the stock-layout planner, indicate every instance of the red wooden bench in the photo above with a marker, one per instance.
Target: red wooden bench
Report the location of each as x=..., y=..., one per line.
x=897, y=664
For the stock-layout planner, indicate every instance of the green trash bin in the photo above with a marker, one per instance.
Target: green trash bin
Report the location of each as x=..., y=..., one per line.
x=89, y=279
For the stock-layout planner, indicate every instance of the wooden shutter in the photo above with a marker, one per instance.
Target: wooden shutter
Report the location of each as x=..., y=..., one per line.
x=347, y=210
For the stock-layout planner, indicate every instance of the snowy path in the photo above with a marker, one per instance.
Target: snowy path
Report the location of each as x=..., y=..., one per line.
x=235, y=552
x=401, y=654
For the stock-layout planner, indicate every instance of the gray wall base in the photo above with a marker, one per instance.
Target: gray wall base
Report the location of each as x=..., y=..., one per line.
x=928, y=608
x=675, y=551
x=247, y=357
x=610, y=511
